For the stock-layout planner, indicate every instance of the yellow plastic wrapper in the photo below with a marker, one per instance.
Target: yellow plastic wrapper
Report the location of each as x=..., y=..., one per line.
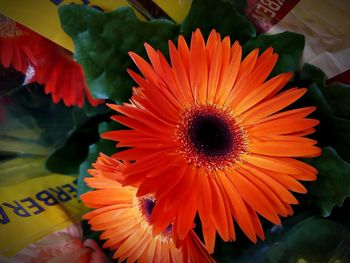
x=41, y=16
x=36, y=208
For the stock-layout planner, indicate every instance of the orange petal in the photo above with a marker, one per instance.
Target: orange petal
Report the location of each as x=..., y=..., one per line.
x=256, y=200
x=287, y=149
x=273, y=105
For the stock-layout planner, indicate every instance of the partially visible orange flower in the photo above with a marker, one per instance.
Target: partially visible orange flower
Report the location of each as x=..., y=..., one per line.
x=15, y=42
x=61, y=75
x=44, y=62
x=207, y=135
x=124, y=220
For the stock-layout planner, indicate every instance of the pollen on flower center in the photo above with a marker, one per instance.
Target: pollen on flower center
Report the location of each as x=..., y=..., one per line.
x=210, y=137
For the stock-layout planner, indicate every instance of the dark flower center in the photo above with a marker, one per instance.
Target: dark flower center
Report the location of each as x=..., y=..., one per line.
x=211, y=135
x=146, y=205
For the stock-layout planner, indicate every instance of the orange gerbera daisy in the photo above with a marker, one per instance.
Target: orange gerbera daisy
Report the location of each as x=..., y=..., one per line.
x=207, y=135
x=124, y=220
x=15, y=44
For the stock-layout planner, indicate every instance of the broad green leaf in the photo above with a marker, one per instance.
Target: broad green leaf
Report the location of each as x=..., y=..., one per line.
x=315, y=97
x=313, y=240
x=220, y=15
x=32, y=108
x=19, y=134
x=337, y=95
x=300, y=240
x=102, y=146
x=102, y=42
x=332, y=185
x=91, y=111
x=240, y=5
x=288, y=45
x=18, y=138
x=34, y=125
x=66, y=160
x=312, y=73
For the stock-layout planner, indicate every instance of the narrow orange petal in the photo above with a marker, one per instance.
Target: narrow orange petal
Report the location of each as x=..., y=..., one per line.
x=282, y=126
x=248, y=63
x=274, y=185
x=228, y=213
x=214, y=73
x=146, y=69
x=256, y=200
x=100, y=198
x=256, y=222
x=181, y=79
x=258, y=94
x=101, y=210
x=219, y=216
x=239, y=209
x=295, y=113
x=184, y=53
x=250, y=81
x=228, y=77
x=272, y=198
x=273, y=105
x=209, y=234
x=287, y=149
x=289, y=182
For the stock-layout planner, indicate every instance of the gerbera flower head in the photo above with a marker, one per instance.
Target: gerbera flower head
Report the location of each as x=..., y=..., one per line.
x=207, y=136
x=15, y=44
x=124, y=219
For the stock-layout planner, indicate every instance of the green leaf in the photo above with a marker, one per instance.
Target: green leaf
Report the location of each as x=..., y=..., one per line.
x=337, y=95
x=17, y=137
x=315, y=97
x=91, y=111
x=289, y=47
x=34, y=109
x=312, y=73
x=102, y=146
x=332, y=185
x=311, y=240
x=66, y=160
x=240, y=5
x=102, y=42
x=220, y=15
